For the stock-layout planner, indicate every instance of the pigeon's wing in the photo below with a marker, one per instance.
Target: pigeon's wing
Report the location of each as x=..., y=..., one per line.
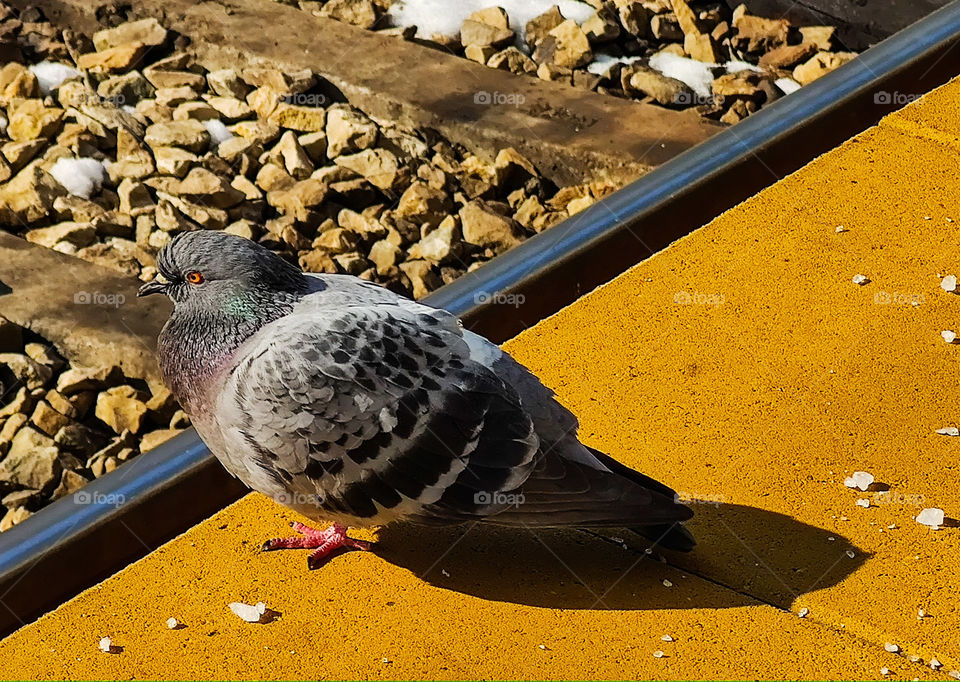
x=385, y=411
x=376, y=410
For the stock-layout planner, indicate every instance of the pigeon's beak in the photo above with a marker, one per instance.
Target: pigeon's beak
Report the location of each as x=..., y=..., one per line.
x=154, y=286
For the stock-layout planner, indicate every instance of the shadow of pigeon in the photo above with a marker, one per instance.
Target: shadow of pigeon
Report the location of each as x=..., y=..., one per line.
x=766, y=554
x=750, y=550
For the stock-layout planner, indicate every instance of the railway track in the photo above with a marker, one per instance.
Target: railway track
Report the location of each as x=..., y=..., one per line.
x=68, y=546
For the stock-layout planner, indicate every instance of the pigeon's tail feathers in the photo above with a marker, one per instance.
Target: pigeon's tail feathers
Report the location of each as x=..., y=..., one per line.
x=632, y=474
x=561, y=492
x=584, y=495
x=668, y=535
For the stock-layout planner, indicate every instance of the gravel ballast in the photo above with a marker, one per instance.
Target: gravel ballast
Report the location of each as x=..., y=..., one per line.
x=113, y=144
x=153, y=144
x=62, y=424
x=726, y=63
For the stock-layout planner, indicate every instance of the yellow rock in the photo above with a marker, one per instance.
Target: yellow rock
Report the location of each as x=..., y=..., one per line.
x=700, y=47
x=121, y=408
x=296, y=117
x=820, y=65
x=120, y=58
x=30, y=119
x=16, y=80
x=145, y=31
x=572, y=46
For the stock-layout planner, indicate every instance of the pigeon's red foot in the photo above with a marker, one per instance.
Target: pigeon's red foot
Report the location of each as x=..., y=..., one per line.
x=324, y=542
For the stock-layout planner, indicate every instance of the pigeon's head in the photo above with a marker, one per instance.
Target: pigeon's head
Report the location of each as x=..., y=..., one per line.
x=206, y=268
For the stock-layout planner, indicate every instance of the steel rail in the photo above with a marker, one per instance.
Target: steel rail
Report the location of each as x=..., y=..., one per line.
x=121, y=516
x=554, y=268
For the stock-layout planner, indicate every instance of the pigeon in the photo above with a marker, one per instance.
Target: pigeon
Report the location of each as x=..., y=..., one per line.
x=352, y=404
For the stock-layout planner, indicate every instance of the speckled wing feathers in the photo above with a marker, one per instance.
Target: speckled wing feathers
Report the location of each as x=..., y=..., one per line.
x=379, y=411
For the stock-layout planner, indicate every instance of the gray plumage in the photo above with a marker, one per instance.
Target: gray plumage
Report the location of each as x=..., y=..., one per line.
x=350, y=403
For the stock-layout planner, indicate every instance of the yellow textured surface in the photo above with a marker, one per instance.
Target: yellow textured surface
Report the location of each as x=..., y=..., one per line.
x=936, y=117
x=742, y=366
x=432, y=606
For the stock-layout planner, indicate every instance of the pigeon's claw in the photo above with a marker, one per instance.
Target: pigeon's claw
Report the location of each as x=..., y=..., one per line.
x=323, y=542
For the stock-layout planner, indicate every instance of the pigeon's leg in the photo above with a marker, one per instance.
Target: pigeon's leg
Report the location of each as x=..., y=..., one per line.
x=323, y=542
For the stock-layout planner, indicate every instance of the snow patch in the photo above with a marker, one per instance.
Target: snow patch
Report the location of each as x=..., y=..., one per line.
x=602, y=62
x=81, y=177
x=442, y=17
x=51, y=74
x=788, y=86
x=218, y=132
x=697, y=75
x=737, y=66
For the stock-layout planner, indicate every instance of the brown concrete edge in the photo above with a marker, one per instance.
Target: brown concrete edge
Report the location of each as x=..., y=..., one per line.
x=571, y=134
x=91, y=314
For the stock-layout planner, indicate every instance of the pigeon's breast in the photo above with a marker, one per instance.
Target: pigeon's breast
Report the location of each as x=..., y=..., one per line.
x=194, y=354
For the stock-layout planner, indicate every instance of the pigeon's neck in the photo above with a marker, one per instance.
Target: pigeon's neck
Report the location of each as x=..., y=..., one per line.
x=196, y=344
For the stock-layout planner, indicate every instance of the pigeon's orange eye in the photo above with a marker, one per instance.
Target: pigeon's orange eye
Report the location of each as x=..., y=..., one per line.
x=194, y=277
